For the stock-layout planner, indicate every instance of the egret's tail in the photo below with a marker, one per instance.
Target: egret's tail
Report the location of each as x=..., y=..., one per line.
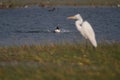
x=93, y=42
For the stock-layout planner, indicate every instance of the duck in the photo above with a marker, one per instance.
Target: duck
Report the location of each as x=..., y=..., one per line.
x=57, y=30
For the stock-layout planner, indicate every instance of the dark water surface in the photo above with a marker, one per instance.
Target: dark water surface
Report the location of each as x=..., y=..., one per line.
x=35, y=25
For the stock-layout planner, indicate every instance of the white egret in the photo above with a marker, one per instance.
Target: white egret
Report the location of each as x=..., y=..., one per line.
x=85, y=29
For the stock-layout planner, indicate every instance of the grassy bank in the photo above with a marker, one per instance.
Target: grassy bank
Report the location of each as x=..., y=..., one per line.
x=23, y=3
x=60, y=62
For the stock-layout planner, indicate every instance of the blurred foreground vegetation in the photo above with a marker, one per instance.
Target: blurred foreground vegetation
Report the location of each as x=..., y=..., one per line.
x=23, y=3
x=60, y=62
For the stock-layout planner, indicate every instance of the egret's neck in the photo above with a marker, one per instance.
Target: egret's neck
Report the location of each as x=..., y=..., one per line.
x=79, y=22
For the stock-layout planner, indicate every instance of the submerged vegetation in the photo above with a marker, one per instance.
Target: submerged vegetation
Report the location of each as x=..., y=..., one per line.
x=60, y=62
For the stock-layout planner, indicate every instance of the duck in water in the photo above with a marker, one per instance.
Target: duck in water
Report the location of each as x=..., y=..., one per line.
x=57, y=30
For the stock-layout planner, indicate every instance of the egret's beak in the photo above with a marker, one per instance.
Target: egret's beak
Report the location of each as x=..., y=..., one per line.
x=71, y=17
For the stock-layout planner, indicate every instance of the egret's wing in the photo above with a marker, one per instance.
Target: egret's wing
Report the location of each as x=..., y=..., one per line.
x=88, y=29
x=89, y=32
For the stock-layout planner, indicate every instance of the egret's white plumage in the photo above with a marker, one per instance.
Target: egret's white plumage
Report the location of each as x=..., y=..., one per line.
x=85, y=28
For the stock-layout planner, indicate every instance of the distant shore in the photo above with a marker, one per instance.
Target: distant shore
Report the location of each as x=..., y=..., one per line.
x=4, y=5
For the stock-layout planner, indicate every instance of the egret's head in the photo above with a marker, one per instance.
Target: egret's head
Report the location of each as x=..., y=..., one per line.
x=77, y=16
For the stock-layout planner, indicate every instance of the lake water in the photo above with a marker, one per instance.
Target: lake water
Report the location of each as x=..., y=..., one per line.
x=35, y=25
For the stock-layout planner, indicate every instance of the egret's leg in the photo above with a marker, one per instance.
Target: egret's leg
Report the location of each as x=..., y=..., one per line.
x=86, y=46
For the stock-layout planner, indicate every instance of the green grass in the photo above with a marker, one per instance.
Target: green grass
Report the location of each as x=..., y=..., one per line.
x=60, y=62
